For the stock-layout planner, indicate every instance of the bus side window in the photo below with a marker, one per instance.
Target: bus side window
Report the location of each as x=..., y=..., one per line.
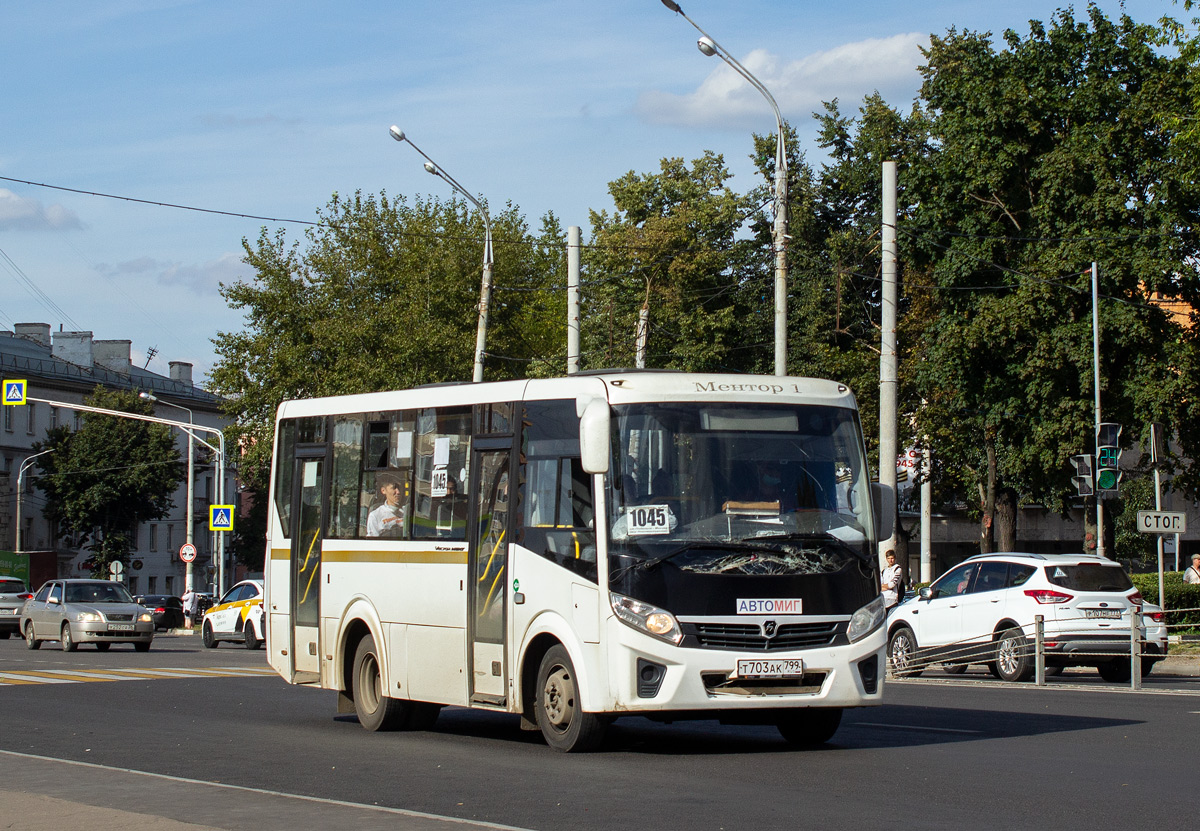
x=384, y=506
x=347, y=472
x=556, y=499
x=442, y=444
x=285, y=466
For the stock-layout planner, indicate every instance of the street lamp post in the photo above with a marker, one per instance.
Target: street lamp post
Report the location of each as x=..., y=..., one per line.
x=191, y=429
x=485, y=290
x=25, y=465
x=191, y=480
x=779, y=240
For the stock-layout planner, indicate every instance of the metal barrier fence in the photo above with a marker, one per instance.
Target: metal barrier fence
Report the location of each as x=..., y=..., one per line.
x=1119, y=652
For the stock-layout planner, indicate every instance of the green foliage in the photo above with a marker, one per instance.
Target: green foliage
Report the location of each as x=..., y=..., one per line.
x=114, y=473
x=384, y=295
x=1177, y=595
x=671, y=245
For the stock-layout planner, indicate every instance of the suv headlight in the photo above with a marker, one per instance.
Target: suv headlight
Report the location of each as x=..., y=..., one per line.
x=646, y=618
x=867, y=619
x=145, y=617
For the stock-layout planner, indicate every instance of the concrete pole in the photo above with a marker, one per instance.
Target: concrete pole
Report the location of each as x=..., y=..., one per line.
x=1096, y=385
x=780, y=240
x=573, y=245
x=643, y=332
x=927, y=521
x=887, y=350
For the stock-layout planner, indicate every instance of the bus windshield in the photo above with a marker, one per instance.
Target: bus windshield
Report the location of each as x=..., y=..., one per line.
x=783, y=485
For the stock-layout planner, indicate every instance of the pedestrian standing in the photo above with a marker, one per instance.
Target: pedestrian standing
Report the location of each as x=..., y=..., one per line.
x=1192, y=573
x=891, y=580
x=189, y=606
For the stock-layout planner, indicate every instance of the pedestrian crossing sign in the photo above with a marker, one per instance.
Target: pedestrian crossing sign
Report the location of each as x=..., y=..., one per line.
x=220, y=517
x=14, y=391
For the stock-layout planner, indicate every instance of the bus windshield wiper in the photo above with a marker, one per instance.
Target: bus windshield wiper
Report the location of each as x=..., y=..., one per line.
x=820, y=536
x=741, y=545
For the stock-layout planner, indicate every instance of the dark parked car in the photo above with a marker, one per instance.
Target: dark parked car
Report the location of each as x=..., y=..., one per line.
x=13, y=595
x=167, y=610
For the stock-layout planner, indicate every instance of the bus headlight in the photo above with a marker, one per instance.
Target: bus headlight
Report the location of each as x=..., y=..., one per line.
x=646, y=618
x=867, y=619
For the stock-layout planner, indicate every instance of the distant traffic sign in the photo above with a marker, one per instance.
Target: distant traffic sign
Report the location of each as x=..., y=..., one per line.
x=220, y=517
x=15, y=391
x=187, y=552
x=1162, y=522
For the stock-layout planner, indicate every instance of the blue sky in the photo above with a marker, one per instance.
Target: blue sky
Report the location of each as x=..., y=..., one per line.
x=268, y=108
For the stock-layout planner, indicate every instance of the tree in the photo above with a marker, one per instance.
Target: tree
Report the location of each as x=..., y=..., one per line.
x=384, y=295
x=110, y=476
x=1043, y=157
x=671, y=247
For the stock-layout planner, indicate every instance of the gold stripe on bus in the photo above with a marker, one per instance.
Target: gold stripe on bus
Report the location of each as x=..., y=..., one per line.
x=447, y=557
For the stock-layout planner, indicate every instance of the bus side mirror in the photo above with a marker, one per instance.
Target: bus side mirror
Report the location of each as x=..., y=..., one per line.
x=883, y=501
x=595, y=426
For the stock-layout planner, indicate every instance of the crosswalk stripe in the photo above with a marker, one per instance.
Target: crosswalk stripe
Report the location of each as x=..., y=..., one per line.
x=77, y=676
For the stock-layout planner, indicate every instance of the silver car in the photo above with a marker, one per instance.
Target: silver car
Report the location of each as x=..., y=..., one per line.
x=86, y=611
x=13, y=595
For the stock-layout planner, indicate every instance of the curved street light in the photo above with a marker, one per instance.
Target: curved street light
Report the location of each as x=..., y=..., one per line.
x=485, y=290
x=25, y=465
x=191, y=481
x=710, y=47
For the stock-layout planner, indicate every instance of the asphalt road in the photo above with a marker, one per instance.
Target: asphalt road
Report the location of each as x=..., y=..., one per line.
x=207, y=737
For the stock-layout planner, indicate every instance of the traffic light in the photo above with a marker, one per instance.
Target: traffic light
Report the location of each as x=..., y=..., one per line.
x=1108, y=458
x=1082, y=480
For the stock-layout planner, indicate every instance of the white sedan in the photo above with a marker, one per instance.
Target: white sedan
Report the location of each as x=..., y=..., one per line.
x=237, y=616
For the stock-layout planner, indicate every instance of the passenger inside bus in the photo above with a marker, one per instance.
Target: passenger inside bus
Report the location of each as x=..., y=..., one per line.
x=387, y=520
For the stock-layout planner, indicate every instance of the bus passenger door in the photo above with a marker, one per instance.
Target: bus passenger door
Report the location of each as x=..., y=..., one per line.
x=487, y=566
x=309, y=513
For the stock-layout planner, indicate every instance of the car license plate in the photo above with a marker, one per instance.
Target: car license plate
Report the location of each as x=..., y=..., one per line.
x=770, y=668
x=10, y=611
x=120, y=627
x=1103, y=613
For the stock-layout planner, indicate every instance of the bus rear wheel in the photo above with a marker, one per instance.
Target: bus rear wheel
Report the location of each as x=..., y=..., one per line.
x=558, y=710
x=376, y=711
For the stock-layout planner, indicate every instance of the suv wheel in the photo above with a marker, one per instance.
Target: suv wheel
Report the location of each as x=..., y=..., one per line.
x=902, y=651
x=1013, y=661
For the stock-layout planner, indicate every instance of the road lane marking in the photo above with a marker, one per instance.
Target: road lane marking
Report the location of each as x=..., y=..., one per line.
x=316, y=800
x=85, y=675
x=913, y=727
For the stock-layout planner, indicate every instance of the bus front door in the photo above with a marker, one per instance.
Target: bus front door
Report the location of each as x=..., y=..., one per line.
x=309, y=512
x=488, y=569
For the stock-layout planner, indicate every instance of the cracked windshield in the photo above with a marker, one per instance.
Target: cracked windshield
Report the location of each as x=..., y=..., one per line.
x=742, y=488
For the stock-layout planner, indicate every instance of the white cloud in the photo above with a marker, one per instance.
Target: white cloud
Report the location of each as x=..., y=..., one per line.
x=848, y=72
x=18, y=213
x=201, y=278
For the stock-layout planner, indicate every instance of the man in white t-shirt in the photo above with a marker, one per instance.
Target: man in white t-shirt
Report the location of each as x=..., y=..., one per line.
x=890, y=580
x=1192, y=573
x=388, y=519
x=189, y=606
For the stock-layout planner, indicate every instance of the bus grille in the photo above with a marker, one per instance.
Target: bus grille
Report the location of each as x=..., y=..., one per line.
x=749, y=636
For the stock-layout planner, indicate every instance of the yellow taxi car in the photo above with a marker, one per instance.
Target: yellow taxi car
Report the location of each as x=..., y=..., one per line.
x=237, y=616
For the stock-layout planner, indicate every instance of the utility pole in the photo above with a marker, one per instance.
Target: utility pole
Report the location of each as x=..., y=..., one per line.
x=887, y=350
x=1096, y=385
x=573, y=245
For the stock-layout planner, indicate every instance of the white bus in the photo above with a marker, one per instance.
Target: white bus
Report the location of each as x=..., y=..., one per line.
x=658, y=544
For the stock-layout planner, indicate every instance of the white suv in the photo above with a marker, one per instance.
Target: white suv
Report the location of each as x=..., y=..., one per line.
x=983, y=610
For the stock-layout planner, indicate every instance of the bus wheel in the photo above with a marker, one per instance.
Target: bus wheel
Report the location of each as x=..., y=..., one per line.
x=376, y=712
x=809, y=727
x=556, y=706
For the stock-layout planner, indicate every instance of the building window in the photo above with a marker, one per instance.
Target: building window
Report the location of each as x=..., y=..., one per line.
x=133, y=585
x=153, y=537
x=170, y=585
x=29, y=425
x=170, y=537
x=8, y=411
x=76, y=428
x=153, y=581
x=53, y=417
